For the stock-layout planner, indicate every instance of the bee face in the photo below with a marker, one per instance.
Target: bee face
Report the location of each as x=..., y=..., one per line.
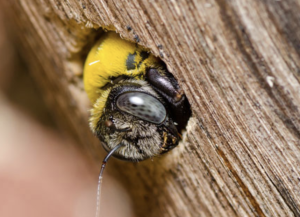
x=136, y=116
x=140, y=107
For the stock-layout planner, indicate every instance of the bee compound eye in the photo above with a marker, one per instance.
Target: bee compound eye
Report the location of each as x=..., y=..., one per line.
x=143, y=106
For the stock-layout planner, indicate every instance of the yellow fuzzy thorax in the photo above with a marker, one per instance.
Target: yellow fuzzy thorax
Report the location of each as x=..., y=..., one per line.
x=112, y=57
x=109, y=58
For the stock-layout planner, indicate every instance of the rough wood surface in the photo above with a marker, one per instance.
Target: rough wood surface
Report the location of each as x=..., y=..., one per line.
x=239, y=64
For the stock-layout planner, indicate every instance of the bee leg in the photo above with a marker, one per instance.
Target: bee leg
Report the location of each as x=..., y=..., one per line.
x=167, y=144
x=164, y=146
x=167, y=86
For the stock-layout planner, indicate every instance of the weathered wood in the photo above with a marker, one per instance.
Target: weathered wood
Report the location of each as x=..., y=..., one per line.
x=239, y=64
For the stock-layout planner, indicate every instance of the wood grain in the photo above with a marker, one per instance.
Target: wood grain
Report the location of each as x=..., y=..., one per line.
x=239, y=65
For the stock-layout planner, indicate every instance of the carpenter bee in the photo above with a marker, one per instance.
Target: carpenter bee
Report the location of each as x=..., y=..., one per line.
x=138, y=108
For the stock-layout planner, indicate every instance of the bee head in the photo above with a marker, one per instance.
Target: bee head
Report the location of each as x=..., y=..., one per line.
x=137, y=117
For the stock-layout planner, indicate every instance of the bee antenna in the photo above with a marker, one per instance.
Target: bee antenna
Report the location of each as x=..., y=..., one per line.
x=101, y=177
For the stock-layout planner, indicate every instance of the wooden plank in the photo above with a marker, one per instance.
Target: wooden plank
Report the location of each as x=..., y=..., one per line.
x=238, y=63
